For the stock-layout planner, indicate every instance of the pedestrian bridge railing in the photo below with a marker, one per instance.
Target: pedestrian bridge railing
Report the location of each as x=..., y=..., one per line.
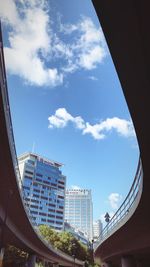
x=126, y=209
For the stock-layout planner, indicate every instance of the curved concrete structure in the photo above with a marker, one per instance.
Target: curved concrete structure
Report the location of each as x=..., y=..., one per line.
x=126, y=28
x=15, y=225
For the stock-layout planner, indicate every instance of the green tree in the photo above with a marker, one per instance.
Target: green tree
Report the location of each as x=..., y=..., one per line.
x=50, y=235
x=14, y=256
x=65, y=242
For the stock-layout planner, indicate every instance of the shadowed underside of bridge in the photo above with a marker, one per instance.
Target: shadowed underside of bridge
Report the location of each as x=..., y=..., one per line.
x=126, y=28
x=15, y=227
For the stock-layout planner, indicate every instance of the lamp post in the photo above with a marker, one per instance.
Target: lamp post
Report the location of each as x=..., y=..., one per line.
x=92, y=242
x=73, y=260
x=74, y=251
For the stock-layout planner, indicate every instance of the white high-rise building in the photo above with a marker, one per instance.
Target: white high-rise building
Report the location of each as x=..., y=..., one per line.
x=79, y=210
x=97, y=228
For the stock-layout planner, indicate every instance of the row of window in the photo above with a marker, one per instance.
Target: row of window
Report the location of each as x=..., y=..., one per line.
x=46, y=215
x=50, y=221
x=35, y=206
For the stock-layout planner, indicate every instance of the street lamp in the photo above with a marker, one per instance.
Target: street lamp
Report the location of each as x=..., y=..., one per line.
x=92, y=242
x=74, y=251
x=74, y=260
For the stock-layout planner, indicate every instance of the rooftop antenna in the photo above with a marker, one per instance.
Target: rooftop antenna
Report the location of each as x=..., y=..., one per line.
x=33, y=147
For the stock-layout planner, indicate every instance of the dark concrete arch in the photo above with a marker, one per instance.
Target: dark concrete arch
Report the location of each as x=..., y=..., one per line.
x=126, y=28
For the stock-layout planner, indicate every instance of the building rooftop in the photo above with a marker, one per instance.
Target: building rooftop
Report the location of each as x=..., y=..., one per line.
x=40, y=158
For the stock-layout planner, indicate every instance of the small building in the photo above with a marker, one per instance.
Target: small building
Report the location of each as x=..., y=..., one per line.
x=76, y=233
x=97, y=228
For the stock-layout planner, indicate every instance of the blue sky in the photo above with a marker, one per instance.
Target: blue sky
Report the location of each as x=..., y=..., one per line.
x=66, y=100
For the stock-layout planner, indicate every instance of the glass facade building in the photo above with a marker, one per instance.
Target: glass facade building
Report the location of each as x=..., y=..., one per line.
x=79, y=210
x=44, y=187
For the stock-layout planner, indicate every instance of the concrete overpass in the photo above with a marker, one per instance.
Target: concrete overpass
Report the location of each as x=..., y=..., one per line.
x=126, y=28
x=15, y=225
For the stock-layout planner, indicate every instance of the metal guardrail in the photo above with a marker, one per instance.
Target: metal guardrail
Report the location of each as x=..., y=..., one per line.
x=125, y=208
x=3, y=85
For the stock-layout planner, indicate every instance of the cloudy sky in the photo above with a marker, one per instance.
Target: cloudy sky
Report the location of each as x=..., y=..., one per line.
x=66, y=100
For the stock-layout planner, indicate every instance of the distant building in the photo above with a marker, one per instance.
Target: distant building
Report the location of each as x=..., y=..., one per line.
x=79, y=210
x=76, y=233
x=44, y=186
x=97, y=228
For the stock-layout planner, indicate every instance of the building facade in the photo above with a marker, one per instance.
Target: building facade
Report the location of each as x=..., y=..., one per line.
x=44, y=187
x=97, y=228
x=76, y=233
x=79, y=210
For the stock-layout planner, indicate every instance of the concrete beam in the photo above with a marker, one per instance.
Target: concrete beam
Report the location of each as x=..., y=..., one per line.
x=31, y=261
x=106, y=264
x=128, y=261
x=2, y=250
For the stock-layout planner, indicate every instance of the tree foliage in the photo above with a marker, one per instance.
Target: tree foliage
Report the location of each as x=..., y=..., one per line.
x=14, y=256
x=66, y=242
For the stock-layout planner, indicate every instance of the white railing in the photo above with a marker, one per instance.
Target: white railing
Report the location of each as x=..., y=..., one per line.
x=125, y=209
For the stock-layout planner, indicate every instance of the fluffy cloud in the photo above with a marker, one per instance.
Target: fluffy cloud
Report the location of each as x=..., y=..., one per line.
x=98, y=131
x=93, y=78
x=30, y=42
x=114, y=200
x=35, y=49
x=89, y=48
x=62, y=118
x=121, y=126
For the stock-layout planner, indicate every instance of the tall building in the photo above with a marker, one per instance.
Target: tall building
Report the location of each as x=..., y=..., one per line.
x=79, y=210
x=97, y=228
x=44, y=186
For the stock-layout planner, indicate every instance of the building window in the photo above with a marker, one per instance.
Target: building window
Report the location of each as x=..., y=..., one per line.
x=33, y=212
x=50, y=221
x=42, y=213
x=27, y=177
x=38, y=174
x=59, y=217
x=58, y=222
x=28, y=172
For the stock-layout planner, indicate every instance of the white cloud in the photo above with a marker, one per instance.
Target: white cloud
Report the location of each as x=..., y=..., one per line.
x=34, y=48
x=89, y=48
x=62, y=118
x=90, y=58
x=94, y=130
x=98, y=131
x=122, y=127
x=8, y=12
x=114, y=200
x=30, y=41
x=93, y=78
